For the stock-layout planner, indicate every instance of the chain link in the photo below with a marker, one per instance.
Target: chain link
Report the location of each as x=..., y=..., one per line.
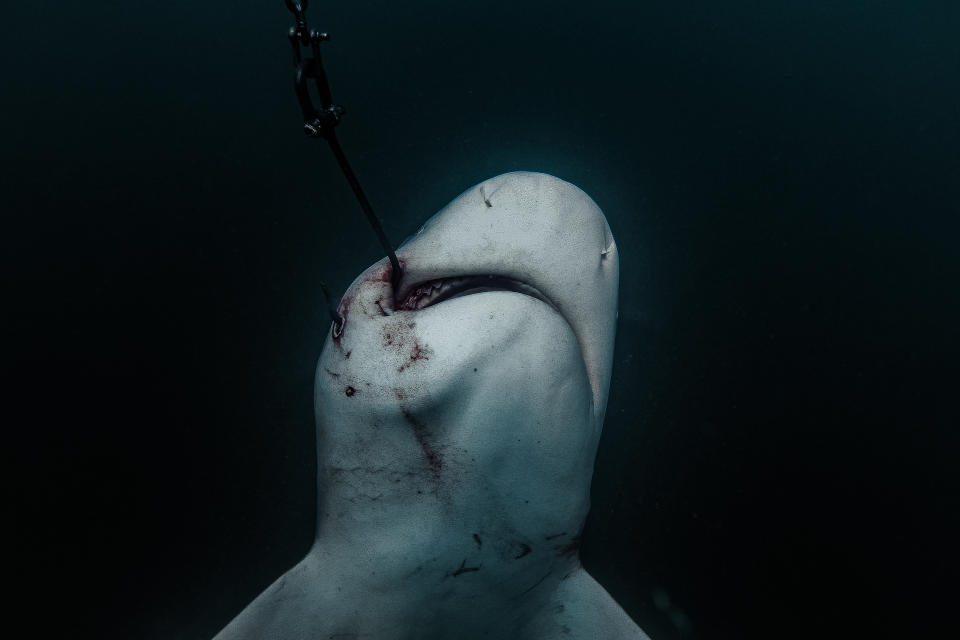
x=321, y=122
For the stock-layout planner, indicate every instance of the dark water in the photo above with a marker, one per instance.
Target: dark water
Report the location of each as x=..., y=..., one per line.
x=783, y=179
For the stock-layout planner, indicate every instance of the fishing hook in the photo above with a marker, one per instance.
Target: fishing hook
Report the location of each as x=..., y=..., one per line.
x=321, y=123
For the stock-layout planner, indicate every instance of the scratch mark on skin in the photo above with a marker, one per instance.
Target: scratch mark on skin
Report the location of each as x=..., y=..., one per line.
x=420, y=432
x=537, y=583
x=524, y=550
x=479, y=542
x=556, y=535
x=465, y=569
x=343, y=310
x=569, y=549
x=393, y=475
x=335, y=375
x=486, y=199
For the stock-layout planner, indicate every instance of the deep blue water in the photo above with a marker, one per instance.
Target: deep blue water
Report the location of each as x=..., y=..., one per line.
x=783, y=180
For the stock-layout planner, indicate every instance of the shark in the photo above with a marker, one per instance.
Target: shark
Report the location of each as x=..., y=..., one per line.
x=459, y=408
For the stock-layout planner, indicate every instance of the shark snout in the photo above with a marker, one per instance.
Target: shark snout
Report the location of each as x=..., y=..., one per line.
x=524, y=233
x=532, y=233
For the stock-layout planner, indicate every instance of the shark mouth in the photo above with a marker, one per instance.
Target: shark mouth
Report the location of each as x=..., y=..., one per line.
x=436, y=291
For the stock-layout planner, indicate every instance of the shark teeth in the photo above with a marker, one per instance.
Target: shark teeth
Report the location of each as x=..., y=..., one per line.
x=431, y=292
x=436, y=291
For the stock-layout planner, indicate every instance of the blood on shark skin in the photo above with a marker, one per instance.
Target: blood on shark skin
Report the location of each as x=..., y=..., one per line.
x=458, y=411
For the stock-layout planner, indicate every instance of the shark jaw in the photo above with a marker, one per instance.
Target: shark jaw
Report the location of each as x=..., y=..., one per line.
x=457, y=423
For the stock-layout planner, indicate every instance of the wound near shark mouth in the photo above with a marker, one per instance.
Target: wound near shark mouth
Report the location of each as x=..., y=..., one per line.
x=343, y=309
x=401, y=337
x=338, y=328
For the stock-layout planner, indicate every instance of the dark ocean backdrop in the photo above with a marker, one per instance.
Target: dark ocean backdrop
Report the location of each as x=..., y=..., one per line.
x=783, y=180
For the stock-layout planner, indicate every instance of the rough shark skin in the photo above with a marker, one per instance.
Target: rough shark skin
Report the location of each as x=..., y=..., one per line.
x=458, y=423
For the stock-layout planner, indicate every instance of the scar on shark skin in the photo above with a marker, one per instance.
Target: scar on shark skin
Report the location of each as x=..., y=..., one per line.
x=433, y=457
x=570, y=549
x=465, y=569
x=486, y=199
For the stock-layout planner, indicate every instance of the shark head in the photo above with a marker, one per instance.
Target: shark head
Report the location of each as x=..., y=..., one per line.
x=459, y=413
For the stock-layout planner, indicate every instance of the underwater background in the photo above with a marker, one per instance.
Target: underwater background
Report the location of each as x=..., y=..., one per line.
x=782, y=178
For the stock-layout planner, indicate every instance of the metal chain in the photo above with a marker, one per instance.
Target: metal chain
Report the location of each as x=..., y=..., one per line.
x=321, y=122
